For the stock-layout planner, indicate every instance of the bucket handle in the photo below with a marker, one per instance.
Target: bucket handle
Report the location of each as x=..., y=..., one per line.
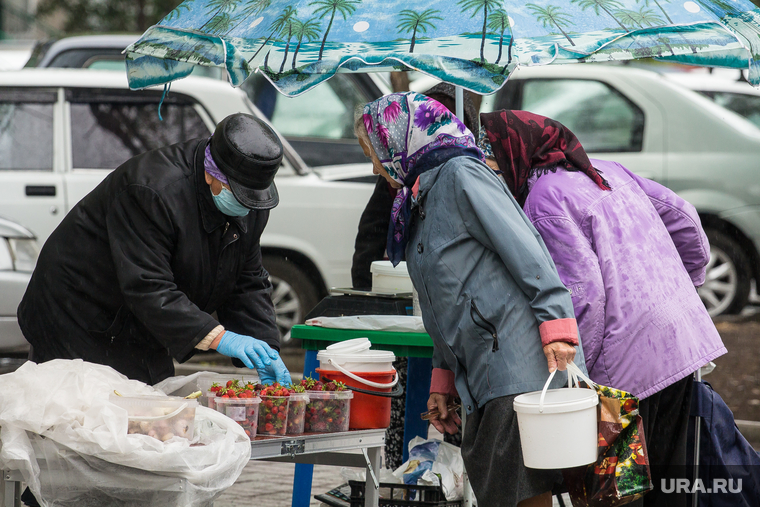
x=573, y=374
x=157, y=417
x=397, y=391
x=366, y=382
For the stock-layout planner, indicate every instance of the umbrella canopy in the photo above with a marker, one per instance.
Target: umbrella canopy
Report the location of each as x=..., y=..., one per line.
x=471, y=43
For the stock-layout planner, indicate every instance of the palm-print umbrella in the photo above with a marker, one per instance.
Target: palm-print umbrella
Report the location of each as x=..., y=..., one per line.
x=471, y=43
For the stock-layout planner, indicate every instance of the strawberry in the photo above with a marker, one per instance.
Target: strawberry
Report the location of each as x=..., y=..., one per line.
x=230, y=383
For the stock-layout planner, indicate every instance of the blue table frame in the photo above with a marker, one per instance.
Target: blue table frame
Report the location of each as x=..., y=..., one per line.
x=417, y=393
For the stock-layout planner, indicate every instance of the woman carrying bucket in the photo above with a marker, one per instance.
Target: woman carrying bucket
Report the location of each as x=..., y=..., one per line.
x=631, y=252
x=490, y=295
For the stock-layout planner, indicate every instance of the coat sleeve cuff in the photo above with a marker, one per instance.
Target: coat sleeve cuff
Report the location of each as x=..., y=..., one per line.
x=442, y=381
x=559, y=330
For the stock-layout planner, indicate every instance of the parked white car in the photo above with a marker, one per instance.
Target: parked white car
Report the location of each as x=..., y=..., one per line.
x=63, y=130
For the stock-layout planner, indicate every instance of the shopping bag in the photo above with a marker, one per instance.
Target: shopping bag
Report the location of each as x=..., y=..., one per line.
x=621, y=472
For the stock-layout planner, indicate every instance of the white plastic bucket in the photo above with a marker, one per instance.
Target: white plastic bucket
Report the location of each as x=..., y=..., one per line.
x=387, y=279
x=558, y=427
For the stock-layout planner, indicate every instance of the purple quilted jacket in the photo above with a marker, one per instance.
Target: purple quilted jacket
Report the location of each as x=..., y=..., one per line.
x=631, y=257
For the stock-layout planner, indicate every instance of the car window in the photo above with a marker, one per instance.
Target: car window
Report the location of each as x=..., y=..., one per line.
x=601, y=118
x=26, y=129
x=108, y=129
x=326, y=111
x=742, y=104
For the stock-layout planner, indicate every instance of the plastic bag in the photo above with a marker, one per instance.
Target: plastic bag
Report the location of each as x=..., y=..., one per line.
x=72, y=448
x=434, y=463
x=397, y=323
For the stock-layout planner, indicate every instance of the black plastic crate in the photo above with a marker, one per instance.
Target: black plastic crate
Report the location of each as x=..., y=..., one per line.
x=425, y=495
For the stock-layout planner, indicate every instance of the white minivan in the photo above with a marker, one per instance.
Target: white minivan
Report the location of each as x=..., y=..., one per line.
x=63, y=130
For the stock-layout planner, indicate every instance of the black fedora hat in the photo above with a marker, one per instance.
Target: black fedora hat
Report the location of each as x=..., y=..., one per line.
x=248, y=152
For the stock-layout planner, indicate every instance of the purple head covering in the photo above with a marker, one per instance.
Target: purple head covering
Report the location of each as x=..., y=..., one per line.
x=210, y=166
x=411, y=133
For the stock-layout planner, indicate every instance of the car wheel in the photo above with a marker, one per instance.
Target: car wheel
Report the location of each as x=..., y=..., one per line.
x=727, y=281
x=293, y=293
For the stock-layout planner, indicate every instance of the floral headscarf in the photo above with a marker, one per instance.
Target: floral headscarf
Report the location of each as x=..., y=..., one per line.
x=524, y=144
x=410, y=134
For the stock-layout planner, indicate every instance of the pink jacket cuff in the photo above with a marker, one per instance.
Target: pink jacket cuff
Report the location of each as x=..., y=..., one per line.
x=442, y=381
x=559, y=330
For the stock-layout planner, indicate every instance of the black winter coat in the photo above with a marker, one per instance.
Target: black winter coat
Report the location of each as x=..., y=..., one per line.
x=132, y=274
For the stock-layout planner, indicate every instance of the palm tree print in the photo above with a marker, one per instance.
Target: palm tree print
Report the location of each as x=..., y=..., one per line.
x=345, y=7
x=220, y=7
x=657, y=3
x=176, y=12
x=308, y=30
x=498, y=21
x=411, y=21
x=476, y=6
x=605, y=5
x=219, y=23
x=284, y=24
x=551, y=16
x=252, y=8
x=641, y=18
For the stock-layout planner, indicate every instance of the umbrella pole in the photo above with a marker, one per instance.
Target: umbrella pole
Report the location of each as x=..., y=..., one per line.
x=459, y=101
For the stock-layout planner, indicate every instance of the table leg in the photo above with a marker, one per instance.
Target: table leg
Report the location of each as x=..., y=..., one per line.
x=372, y=495
x=467, y=488
x=11, y=492
x=304, y=473
x=417, y=394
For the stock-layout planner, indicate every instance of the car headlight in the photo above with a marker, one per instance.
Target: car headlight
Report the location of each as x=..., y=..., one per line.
x=24, y=253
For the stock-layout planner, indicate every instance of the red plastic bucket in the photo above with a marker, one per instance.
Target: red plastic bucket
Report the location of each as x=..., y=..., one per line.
x=367, y=411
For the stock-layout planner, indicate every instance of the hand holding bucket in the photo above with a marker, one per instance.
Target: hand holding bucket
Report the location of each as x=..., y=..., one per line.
x=565, y=415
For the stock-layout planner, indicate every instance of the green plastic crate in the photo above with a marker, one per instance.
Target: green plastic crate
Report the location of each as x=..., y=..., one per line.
x=401, y=344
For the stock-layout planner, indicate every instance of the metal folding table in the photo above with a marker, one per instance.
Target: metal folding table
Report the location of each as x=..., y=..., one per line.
x=313, y=449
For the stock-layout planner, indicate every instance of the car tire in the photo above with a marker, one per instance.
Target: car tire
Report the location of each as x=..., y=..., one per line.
x=727, y=281
x=294, y=293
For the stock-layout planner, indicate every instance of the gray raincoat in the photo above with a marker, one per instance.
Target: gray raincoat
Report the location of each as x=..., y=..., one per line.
x=485, y=281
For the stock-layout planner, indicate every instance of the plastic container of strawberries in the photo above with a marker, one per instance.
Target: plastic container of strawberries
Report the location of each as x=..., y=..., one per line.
x=327, y=411
x=296, y=412
x=244, y=411
x=206, y=380
x=273, y=415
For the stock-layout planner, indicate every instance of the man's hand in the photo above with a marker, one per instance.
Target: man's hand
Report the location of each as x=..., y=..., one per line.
x=254, y=353
x=446, y=422
x=277, y=371
x=558, y=354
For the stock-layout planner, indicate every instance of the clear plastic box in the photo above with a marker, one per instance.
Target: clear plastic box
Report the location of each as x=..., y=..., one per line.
x=205, y=381
x=160, y=417
x=327, y=411
x=244, y=411
x=273, y=415
x=296, y=412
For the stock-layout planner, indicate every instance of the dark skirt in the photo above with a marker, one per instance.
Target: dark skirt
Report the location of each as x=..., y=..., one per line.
x=493, y=457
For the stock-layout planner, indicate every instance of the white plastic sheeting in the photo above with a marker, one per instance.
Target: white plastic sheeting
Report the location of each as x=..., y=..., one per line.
x=71, y=444
x=396, y=323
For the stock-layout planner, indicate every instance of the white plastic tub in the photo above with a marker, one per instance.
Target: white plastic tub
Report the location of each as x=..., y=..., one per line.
x=389, y=280
x=160, y=417
x=561, y=432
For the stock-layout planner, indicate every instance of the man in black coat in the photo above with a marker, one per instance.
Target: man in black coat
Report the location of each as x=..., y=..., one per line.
x=132, y=275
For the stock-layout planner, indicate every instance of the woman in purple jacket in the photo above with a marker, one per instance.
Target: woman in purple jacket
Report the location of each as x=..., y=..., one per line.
x=631, y=255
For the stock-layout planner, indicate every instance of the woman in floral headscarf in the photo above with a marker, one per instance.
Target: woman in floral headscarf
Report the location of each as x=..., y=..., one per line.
x=490, y=295
x=631, y=252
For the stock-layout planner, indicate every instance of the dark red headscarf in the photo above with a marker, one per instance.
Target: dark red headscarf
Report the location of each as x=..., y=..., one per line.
x=524, y=143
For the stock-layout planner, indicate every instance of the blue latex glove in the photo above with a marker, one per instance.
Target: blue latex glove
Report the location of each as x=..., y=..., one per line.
x=275, y=372
x=254, y=353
